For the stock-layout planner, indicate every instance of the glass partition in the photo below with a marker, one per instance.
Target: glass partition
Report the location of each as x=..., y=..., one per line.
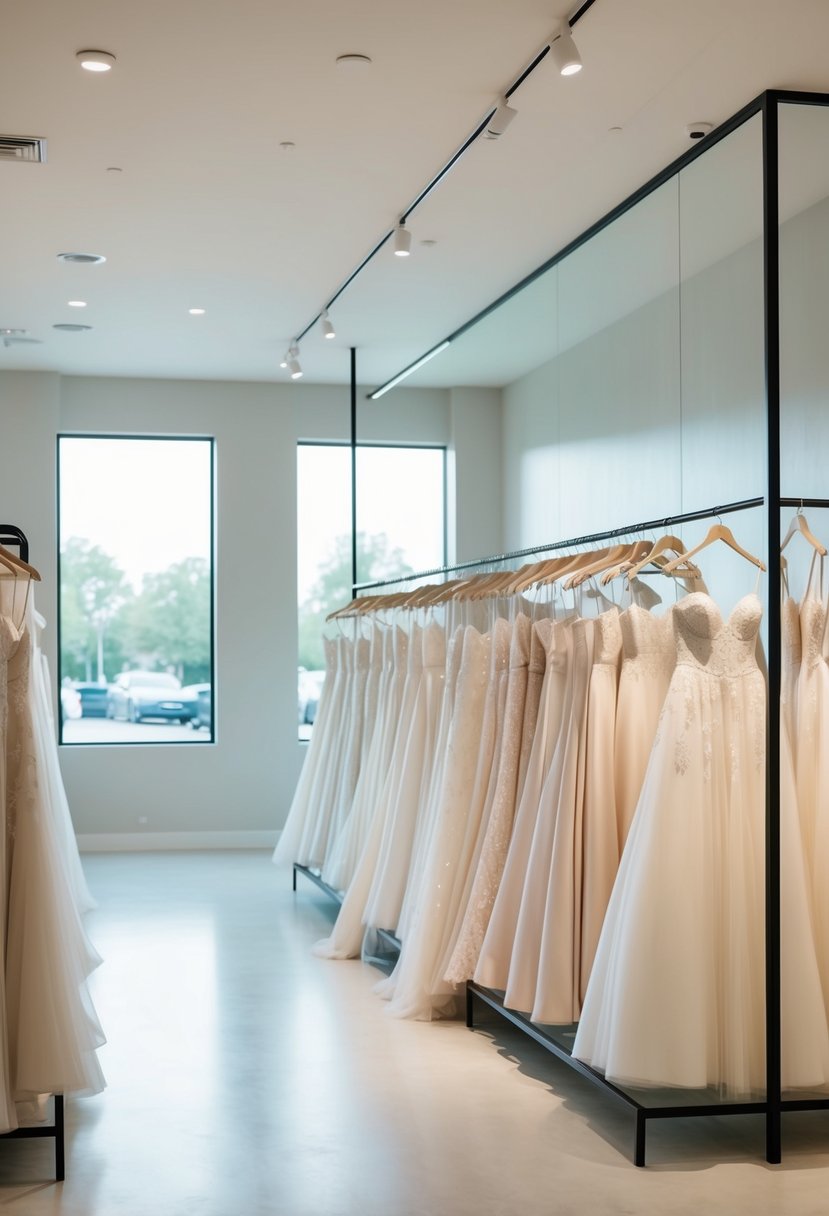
x=633, y=388
x=804, y=431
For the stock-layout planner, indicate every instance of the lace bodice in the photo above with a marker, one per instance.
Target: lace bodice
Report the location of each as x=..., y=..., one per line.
x=717, y=647
x=812, y=629
x=607, y=638
x=647, y=644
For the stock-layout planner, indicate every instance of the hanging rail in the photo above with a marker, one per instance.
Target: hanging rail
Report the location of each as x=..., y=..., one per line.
x=10, y=534
x=669, y=521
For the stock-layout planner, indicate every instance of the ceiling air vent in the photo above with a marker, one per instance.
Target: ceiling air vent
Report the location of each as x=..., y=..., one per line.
x=23, y=148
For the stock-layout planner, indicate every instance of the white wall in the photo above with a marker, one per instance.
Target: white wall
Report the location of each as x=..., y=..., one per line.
x=660, y=410
x=245, y=782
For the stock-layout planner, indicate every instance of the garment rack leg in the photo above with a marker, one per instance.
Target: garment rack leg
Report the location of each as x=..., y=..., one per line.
x=774, y=1146
x=639, y=1141
x=60, y=1151
x=470, y=1008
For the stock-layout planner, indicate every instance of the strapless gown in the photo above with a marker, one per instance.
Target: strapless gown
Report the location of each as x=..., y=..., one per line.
x=676, y=996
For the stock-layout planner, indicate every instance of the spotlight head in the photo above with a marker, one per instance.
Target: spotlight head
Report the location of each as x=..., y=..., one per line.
x=564, y=51
x=294, y=369
x=328, y=330
x=284, y=361
x=500, y=120
x=402, y=240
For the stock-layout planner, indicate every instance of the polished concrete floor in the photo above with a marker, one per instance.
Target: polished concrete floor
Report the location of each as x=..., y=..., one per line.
x=248, y=1078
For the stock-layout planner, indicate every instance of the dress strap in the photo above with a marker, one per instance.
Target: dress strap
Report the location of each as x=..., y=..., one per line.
x=815, y=564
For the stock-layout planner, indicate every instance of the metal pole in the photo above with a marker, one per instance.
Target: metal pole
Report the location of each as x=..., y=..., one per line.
x=771, y=299
x=353, y=351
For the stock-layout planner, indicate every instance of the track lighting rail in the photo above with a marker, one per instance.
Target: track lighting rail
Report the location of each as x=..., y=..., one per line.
x=441, y=174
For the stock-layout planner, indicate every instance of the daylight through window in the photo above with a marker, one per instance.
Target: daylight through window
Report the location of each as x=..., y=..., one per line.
x=401, y=527
x=136, y=590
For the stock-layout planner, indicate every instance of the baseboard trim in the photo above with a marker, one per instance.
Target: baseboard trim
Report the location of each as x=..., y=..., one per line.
x=160, y=842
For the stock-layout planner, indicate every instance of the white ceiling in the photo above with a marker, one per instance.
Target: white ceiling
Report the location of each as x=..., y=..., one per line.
x=209, y=211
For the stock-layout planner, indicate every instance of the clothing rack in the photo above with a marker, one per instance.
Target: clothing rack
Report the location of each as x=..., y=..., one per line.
x=10, y=534
x=384, y=937
x=557, y=1040
x=593, y=538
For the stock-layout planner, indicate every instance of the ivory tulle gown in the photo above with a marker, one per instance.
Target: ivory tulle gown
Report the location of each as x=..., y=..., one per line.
x=346, y=937
x=379, y=704
x=306, y=805
x=52, y=1031
x=648, y=657
x=676, y=995
x=487, y=876
x=812, y=761
x=493, y=966
x=411, y=989
x=410, y=782
x=601, y=847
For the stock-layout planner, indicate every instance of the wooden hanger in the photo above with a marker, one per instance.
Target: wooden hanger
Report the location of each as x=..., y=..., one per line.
x=716, y=532
x=665, y=544
x=12, y=562
x=799, y=524
x=598, y=561
x=544, y=573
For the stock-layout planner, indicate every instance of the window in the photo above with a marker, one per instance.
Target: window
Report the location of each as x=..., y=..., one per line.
x=136, y=589
x=401, y=527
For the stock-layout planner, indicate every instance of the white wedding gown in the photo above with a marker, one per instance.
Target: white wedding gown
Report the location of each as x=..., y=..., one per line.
x=676, y=996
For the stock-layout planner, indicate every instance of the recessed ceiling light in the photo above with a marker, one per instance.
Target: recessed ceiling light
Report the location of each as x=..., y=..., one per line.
x=114, y=169
x=197, y=312
x=69, y=328
x=76, y=303
x=353, y=60
x=82, y=259
x=96, y=61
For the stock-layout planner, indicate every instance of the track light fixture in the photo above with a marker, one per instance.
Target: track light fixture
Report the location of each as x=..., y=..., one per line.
x=328, y=330
x=564, y=52
x=293, y=362
x=284, y=360
x=500, y=120
x=402, y=240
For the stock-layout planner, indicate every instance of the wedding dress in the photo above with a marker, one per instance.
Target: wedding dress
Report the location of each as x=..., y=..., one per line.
x=410, y=781
x=346, y=937
x=811, y=710
x=647, y=663
x=296, y=836
x=380, y=703
x=492, y=969
x=477, y=909
x=676, y=995
x=52, y=1030
x=411, y=987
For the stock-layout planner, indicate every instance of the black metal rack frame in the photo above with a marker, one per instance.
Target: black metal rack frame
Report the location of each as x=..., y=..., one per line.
x=10, y=534
x=774, y=1105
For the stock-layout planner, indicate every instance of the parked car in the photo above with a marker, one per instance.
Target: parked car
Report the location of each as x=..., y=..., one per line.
x=137, y=695
x=94, y=698
x=314, y=681
x=203, y=716
x=190, y=696
x=70, y=702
